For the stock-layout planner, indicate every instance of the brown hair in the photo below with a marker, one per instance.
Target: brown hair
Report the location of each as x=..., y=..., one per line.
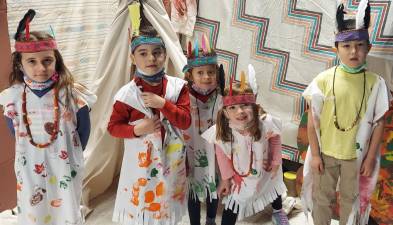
x=66, y=80
x=223, y=123
x=188, y=75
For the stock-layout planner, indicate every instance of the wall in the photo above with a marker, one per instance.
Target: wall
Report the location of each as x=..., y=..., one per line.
x=7, y=152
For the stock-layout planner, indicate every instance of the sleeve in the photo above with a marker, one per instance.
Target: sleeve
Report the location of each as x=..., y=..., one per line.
x=314, y=89
x=118, y=125
x=83, y=125
x=179, y=114
x=224, y=164
x=10, y=125
x=275, y=150
x=84, y=96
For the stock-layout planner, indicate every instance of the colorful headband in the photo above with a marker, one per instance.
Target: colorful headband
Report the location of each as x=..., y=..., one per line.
x=353, y=28
x=352, y=35
x=196, y=58
x=239, y=99
x=35, y=46
x=146, y=40
x=208, y=60
x=245, y=98
x=28, y=45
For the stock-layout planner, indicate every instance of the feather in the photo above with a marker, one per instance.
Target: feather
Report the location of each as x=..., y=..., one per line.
x=204, y=45
x=207, y=43
x=196, y=50
x=22, y=23
x=242, y=81
x=221, y=77
x=340, y=18
x=230, y=85
x=189, y=50
x=252, y=80
x=367, y=16
x=360, y=15
x=134, y=12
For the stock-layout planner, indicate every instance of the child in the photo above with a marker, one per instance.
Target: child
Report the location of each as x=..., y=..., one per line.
x=148, y=113
x=205, y=100
x=245, y=142
x=50, y=120
x=345, y=127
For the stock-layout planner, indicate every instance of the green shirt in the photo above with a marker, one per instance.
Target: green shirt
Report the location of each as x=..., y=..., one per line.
x=349, y=92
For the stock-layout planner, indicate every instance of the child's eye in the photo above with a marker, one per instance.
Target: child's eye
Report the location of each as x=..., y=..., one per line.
x=32, y=61
x=143, y=54
x=200, y=73
x=48, y=61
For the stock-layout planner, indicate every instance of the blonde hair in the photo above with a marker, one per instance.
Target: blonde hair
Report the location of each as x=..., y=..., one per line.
x=222, y=122
x=66, y=80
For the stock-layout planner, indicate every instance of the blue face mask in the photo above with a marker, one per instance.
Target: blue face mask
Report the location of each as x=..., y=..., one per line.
x=351, y=69
x=155, y=78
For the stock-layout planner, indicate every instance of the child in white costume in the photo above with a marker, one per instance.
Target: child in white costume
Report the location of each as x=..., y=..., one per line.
x=148, y=113
x=245, y=139
x=345, y=127
x=204, y=81
x=49, y=116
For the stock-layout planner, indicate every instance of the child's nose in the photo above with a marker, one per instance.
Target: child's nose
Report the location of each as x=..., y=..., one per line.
x=41, y=67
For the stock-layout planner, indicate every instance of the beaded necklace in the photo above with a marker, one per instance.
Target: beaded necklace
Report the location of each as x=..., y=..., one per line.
x=360, y=109
x=55, y=130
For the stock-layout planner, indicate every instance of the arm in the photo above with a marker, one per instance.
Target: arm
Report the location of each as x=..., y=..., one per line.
x=178, y=114
x=316, y=162
x=275, y=157
x=83, y=125
x=368, y=164
x=10, y=125
x=118, y=124
x=224, y=164
x=226, y=171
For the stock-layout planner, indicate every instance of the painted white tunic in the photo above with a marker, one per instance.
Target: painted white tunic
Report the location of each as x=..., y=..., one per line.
x=200, y=154
x=152, y=185
x=258, y=189
x=49, y=180
x=377, y=105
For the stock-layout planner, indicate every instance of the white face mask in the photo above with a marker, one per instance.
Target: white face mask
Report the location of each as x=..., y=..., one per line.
x=240, y=127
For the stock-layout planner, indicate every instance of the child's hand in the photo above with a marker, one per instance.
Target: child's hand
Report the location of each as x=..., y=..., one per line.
x=180, y=6
x=224, y=188
x=274, y=170
x=317, y=164
x=152, y=100
x=237, y=183
x=267, y=166
x=367, y=167
x=147, y=126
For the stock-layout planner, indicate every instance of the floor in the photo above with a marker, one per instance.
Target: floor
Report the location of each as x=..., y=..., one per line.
x=102, y=214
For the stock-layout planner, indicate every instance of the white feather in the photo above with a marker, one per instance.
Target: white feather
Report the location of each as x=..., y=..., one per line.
x=252, y=80
x=361, y=14
x=339, y=2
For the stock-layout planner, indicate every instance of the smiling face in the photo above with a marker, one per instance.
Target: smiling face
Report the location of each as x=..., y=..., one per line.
x=240, y=115
x=39, y=66
x=204, y=77
x=150, y=59
x=353, y=53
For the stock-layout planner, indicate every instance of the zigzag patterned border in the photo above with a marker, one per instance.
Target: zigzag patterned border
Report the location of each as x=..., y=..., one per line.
x=211, y=28
x=381, y=43
x=312, y=22
x=259, y=27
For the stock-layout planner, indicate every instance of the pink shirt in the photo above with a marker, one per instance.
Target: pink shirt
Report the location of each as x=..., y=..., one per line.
x=225, y=164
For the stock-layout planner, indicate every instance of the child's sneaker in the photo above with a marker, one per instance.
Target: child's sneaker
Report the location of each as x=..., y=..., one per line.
x=280, y=218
